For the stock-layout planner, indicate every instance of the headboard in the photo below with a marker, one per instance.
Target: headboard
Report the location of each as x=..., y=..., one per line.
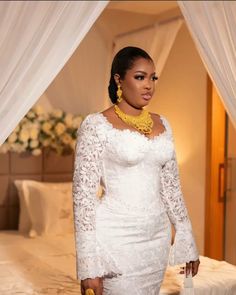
x=48, y=167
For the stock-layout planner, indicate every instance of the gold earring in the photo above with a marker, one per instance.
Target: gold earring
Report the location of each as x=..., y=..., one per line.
x=119, y=93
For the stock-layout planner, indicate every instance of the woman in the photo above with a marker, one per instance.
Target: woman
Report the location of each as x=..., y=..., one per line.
x=123, y=239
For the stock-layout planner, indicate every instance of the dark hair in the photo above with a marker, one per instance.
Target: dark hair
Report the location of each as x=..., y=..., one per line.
x=123, y=61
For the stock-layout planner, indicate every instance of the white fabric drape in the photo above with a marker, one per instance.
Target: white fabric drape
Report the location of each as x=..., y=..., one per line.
x=157, y=40
x=212, y=25
x=36, y=40
x=82, y=79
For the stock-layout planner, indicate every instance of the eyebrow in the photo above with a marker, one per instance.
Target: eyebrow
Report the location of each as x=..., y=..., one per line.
x=144, y=72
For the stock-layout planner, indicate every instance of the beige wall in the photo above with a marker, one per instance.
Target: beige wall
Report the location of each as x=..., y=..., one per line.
x=181, y=96
x=79, y=87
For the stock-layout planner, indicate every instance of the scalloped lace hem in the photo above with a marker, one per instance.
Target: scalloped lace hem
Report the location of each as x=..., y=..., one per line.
x=183, y=250
x=101, y=265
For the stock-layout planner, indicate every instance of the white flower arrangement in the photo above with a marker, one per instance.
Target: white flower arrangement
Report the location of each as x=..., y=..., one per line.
x=56, y=130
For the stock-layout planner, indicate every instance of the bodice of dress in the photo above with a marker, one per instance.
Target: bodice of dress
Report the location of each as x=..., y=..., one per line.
x=131, y=166
x=139, y=176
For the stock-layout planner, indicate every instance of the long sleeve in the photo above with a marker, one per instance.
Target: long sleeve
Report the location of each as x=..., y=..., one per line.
x=91, y=258
x=184, y=248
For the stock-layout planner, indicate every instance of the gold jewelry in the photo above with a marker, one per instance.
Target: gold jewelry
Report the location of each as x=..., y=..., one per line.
x=89, y=292
x=143, y=122
x=119, y=93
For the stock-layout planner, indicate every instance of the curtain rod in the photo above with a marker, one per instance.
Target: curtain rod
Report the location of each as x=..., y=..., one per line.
x=150, y=26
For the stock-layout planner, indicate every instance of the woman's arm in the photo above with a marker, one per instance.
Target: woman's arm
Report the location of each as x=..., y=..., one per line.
x=184, y=249
x=86, y=179
x=91, y=257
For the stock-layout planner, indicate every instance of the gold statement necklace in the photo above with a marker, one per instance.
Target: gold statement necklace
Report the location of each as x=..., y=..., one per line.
x=143, y=122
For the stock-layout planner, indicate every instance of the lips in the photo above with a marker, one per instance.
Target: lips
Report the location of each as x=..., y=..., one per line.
x=146, y=96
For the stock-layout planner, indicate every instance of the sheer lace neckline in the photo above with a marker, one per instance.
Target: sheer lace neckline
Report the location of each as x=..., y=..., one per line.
x=133, y=132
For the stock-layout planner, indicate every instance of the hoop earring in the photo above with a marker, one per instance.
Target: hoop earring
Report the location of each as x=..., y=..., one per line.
x=119, y=93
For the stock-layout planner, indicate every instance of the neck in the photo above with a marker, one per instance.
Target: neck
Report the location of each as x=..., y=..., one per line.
x=129, y=109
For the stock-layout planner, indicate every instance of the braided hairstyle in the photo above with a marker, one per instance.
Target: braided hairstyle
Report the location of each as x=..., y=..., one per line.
x=123, y=61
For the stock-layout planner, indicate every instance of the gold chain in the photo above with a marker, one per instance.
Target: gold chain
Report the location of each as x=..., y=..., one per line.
x=143, y=122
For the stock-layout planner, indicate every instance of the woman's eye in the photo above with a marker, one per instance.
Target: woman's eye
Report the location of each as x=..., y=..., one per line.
x=139, y=77
x=154, y=78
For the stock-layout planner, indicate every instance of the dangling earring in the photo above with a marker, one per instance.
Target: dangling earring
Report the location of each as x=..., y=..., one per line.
x=119, y=93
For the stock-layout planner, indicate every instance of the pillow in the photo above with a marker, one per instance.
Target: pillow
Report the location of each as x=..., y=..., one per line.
x=50, y=210
x=25, y=223
x=24, y=219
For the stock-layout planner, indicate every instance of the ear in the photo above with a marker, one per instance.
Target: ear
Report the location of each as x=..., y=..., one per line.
x=117, y=79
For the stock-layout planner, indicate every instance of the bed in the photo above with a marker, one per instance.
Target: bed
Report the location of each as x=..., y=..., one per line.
x=46, y=265
x=39, y=257
x=42, y=265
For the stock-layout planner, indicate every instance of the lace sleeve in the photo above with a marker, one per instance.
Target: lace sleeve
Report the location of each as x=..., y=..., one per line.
x=184, y=248
x=91, y=259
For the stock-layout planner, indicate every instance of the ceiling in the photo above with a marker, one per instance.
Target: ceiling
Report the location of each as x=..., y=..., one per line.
x=144, y=7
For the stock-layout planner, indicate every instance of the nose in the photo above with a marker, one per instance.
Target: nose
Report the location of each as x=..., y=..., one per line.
x=148, y=84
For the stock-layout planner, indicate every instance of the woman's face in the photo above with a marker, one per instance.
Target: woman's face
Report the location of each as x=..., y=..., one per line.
x=138, y=85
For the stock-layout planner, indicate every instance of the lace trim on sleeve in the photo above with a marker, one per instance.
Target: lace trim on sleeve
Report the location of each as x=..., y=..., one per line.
x=92, y=260
x=184, y=248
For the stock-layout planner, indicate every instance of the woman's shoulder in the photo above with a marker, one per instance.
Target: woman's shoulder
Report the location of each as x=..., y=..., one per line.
x=96, y=117
x=94, y=124
x=157, y=116
x=161, y=119
x=92, y=119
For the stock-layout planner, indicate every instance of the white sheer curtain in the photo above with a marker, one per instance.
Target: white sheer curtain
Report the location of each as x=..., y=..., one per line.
x=37, y=38
x=212, y=25
x=157, y=40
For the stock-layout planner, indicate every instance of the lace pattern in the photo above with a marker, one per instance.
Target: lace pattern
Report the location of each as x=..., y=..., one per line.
x=184, y=248
x=140, y=177
x=92, y=260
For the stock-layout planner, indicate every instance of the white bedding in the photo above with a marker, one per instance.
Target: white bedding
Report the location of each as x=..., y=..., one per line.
x=37, y=266
x=46, y=265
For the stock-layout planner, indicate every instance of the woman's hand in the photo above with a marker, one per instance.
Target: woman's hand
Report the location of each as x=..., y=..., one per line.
x=192, y=267
x=95, y=284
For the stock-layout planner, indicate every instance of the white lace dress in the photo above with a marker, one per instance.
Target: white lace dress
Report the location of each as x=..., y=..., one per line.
x=125, y=236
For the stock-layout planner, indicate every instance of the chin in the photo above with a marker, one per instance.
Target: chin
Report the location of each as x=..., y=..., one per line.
x=145, y=103
x=142, y=104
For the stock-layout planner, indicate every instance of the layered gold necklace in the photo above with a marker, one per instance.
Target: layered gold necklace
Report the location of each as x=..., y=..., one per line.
x=143, y=122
